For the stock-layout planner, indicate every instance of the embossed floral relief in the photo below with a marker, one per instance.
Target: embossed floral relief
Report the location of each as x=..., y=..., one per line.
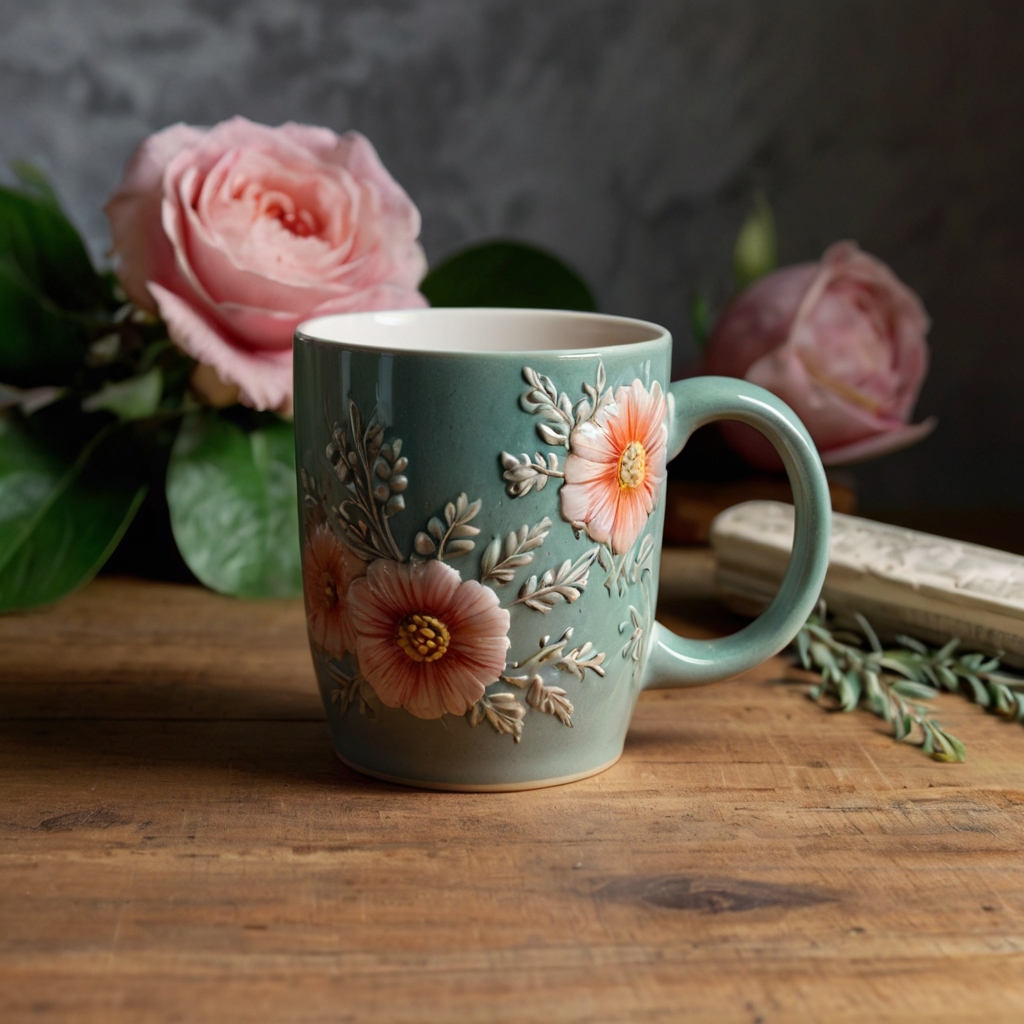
x=409, y=632
x=616, y=466
x=427, y=640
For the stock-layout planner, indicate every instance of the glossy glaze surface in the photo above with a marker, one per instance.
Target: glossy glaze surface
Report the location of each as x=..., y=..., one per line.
x=525, y=483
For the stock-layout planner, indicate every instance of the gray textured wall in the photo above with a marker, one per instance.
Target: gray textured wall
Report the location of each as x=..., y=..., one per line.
x=628, y=135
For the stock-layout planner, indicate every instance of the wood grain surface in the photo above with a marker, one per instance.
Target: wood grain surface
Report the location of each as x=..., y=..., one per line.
x=178, y=843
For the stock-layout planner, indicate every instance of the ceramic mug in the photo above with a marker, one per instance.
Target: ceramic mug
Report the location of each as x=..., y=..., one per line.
x=481, y=497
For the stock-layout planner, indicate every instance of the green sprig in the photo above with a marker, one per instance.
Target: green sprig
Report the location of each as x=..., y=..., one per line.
x=856, y=671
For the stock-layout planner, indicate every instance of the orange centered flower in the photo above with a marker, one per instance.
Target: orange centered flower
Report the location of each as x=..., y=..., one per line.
x=632, y=466
x=427, y=641
x=616, y=465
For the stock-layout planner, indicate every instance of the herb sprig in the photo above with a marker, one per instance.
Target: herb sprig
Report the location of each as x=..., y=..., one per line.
x=856, y=671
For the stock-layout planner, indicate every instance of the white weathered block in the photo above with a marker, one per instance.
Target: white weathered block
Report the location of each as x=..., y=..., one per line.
x=900, y=580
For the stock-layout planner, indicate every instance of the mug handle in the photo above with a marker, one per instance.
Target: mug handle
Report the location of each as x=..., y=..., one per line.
x=678, y=661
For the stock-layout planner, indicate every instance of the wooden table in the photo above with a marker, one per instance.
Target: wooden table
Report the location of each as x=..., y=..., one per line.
x=178, y=843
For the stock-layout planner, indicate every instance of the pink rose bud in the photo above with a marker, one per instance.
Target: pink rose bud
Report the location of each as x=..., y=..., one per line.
x=842, y=342
x=237, y=233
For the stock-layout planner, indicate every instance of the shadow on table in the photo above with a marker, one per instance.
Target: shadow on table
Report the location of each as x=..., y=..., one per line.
x=167, y=722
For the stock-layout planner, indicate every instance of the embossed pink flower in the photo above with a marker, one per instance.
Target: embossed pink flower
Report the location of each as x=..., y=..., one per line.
x=427, y=641
x=616, y=464
x=236, y=233
x=328, y=569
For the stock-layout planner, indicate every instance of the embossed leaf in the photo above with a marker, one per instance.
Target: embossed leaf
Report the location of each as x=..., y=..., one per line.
x=458, y=547
x=580, y=659
x=513, y=540
x=552, y=700
x=505, y=714
x=576, y=662
x=517, y=561
x=524, y=475
x=581, y=412
x=543, y=399
x=435, y=528
x=489, y=559
x=565, y=584
x=520, y=476
x=645, y=550
x=424, y=545
x=531, y=401
x=461, y=510
x=355, y=420
x=518, y=545
x=368, y=701
x=552, y=437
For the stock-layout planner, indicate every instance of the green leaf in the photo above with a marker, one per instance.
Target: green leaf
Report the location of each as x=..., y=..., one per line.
x=947, y=678
x=978, y=691
x=508, y=274
x=893, y=661
x=60, y=519
x=46, y=246
x=50, y=293
x=233, y=503
x=912, y=644
x=133, y=399
x=755, y=251
x=943, y=746
x=702, y=320
x=849, y=690
x=866, y=629
x=803, y=647
x=39, y=343
x=913, y=690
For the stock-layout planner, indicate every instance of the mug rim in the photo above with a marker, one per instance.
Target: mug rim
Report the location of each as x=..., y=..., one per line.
x=319, y=330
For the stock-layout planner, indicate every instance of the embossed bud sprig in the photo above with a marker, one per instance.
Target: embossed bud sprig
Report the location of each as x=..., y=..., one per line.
x=856, y=671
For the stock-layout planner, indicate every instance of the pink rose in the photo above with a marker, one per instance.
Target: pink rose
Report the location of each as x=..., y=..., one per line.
x=842, y=342
x=236, y=233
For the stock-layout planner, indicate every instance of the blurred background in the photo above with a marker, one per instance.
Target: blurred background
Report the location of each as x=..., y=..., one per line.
x=629, y=137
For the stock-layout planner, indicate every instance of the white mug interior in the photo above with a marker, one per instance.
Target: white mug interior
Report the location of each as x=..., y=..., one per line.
x=478, y=330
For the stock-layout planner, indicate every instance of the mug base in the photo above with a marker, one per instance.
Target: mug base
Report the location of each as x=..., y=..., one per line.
x=490, y=787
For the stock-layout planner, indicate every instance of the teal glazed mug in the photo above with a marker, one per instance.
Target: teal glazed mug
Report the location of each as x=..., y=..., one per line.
x=482, y=494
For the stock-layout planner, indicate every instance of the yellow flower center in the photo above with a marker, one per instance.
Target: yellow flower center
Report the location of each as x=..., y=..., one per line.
x=422, y=637
x=632, y=466
x=330, y=591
